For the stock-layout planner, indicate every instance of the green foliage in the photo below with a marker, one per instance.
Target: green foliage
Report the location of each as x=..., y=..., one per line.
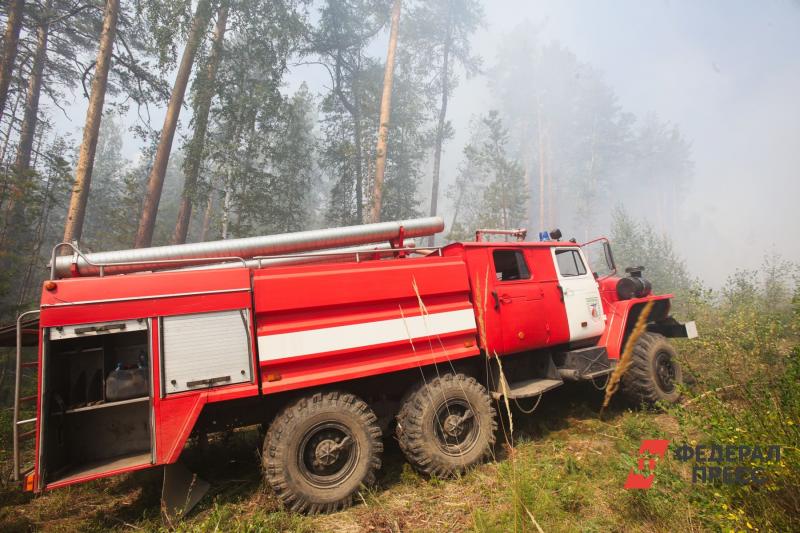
x=490, y=190
x=639, y=244
x=748, y=369
x=260, y=145
x=31, y=211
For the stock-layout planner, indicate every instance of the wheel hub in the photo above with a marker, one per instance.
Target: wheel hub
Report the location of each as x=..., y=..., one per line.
x=453, y=426
x=326, y=452
x=665, y=371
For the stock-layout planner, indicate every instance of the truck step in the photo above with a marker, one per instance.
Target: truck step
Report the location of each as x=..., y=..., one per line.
x=528, y=388
x=583, y=363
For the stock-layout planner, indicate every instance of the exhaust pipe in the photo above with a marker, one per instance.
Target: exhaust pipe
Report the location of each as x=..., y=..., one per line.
x=246, y=248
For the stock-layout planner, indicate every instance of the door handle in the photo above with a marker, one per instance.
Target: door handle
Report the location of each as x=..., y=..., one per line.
x=505, y=298
x=561, y=290
x=208, y=382
x=496, y=300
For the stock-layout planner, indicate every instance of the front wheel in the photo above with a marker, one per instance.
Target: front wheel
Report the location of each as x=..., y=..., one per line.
x=447, y=425
x=654, y=374
x=320, y=450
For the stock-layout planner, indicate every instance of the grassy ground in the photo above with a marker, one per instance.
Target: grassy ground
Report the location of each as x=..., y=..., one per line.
x=565, y=471
x=567, y=468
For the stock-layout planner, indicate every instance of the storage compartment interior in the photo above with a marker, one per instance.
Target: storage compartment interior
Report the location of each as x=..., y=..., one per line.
x=97, y=403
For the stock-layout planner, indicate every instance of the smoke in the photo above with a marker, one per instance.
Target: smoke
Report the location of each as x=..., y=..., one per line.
x=727, y=74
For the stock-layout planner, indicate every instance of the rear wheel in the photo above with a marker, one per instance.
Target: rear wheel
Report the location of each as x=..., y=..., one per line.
x=447, y=425
x=320, y=450
x=654, y=374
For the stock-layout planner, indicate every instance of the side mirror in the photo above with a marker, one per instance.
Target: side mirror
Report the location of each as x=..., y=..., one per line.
x=609, y=256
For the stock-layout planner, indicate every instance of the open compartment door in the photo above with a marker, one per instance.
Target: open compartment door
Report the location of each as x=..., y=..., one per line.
x=96, y=402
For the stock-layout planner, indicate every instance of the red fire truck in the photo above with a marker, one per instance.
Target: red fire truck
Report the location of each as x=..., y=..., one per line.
x=329, y=348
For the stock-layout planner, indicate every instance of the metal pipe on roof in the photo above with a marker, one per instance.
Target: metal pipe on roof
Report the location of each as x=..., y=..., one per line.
x=336, y=255
x=286, y=243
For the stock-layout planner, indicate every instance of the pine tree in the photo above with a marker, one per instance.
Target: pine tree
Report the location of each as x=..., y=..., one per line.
x=155, y=182
x=386, y=109
x=204, y=92
x=10, y=42
x=83, y=174
x=339, y=43
x=491, y=187
x=438, y=36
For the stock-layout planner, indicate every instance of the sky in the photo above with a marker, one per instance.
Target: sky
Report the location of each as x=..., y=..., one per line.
x=727, y=73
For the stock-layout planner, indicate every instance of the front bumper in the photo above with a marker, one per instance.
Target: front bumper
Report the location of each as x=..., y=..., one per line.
x=669, y=327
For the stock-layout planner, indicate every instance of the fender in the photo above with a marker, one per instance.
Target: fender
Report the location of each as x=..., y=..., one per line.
x=621, y=317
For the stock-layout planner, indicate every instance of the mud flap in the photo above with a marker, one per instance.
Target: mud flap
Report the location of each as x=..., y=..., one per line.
x=181, y=491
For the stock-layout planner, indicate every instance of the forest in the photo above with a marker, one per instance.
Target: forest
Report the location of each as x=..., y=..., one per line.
x=244, y=149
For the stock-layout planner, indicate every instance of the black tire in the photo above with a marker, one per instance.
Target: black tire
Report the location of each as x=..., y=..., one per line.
x=436, y=433
x=654, y=374
x=304, y=459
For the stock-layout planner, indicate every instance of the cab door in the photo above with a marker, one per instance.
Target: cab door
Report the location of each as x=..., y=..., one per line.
x=517, y=297
x=581, y=295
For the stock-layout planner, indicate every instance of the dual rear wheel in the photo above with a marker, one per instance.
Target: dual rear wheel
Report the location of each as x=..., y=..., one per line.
x=446, y=425
x=320, y=451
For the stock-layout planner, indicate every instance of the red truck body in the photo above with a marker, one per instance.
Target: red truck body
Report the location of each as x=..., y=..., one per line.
x=292, y=329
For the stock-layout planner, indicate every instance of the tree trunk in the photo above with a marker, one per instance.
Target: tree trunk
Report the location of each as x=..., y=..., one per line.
x=28, y=131
x=7, y=137
x=354, y=108
x=83, y=173
x=10, y=43
x=541, y=173
x=437, y=149
x=14, y=210
x=226, y=207
x=41, y=227
x=591, y=184
x=207, y=216
x=457, y=208
x=503, y=180
x=551, y=216
x=194, y=157
x=357, y=139
x=386, y=107
x=6, y=198
x=155, y=181
x=526, y=165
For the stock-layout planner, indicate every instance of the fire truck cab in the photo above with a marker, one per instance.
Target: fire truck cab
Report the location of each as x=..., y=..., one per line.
x=328, y=355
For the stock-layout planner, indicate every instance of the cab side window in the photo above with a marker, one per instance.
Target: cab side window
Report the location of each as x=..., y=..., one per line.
x=510, y=265
x=570, y=263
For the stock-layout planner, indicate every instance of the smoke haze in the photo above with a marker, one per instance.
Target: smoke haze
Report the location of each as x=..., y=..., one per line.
x=726, y=73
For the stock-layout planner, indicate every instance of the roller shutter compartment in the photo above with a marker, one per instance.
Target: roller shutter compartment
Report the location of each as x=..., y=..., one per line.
x=205, y=350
